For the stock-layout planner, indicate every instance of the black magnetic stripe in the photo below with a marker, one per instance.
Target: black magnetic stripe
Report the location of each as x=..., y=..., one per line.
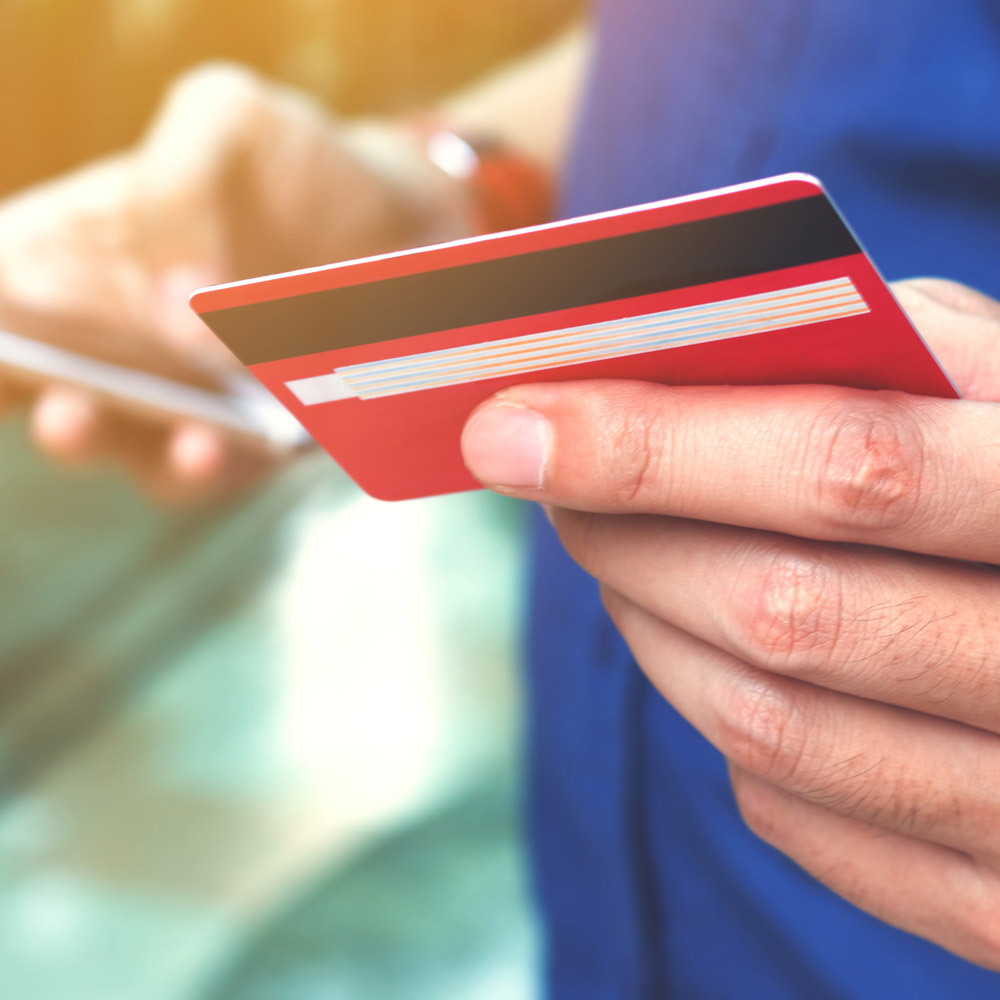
x=690, y=253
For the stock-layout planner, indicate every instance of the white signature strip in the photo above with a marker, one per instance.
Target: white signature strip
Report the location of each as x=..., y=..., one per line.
x=800, y=306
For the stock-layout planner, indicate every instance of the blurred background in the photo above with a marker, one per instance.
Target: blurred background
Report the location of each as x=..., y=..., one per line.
x=79, y=78
x=269, y=751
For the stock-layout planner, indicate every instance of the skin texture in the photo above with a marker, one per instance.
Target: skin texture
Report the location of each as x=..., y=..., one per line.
x=809, y=575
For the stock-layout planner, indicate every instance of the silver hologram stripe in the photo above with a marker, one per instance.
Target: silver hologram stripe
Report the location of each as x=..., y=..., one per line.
x=802, y=305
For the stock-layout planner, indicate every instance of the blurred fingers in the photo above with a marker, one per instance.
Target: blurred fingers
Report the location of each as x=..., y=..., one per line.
x=202, y=465
x=67, y=425
x=183, y=464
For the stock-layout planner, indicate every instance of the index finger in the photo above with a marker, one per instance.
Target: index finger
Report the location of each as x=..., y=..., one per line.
x=819, y=462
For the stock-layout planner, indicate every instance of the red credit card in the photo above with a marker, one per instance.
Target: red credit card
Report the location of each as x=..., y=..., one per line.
x=383, y=359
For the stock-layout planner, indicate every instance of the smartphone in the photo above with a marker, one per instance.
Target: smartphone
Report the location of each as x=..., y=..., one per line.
x=243, y=406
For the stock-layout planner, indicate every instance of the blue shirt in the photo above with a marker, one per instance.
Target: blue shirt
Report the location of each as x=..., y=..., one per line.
x=650, y=884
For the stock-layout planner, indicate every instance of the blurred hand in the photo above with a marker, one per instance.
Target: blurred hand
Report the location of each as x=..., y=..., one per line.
x=809, y=575
x=236, y=178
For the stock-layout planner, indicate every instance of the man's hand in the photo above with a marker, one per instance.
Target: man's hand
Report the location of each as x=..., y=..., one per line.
x=235, y=178
x=809, y=574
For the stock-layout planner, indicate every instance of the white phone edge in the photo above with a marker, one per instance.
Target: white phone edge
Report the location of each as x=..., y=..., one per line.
x=247, y=408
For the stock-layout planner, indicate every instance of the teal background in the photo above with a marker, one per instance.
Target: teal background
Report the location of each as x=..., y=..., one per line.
x=265, y=751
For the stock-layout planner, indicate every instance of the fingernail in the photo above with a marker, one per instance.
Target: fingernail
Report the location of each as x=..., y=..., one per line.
x=507, y=445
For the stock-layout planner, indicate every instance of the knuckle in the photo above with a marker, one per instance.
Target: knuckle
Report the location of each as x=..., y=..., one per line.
x=219, y=114
x=228, y=103
x=790, y=611
x=872, y=466
x=218, y=83
x=636, y=448
x=761, y=730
